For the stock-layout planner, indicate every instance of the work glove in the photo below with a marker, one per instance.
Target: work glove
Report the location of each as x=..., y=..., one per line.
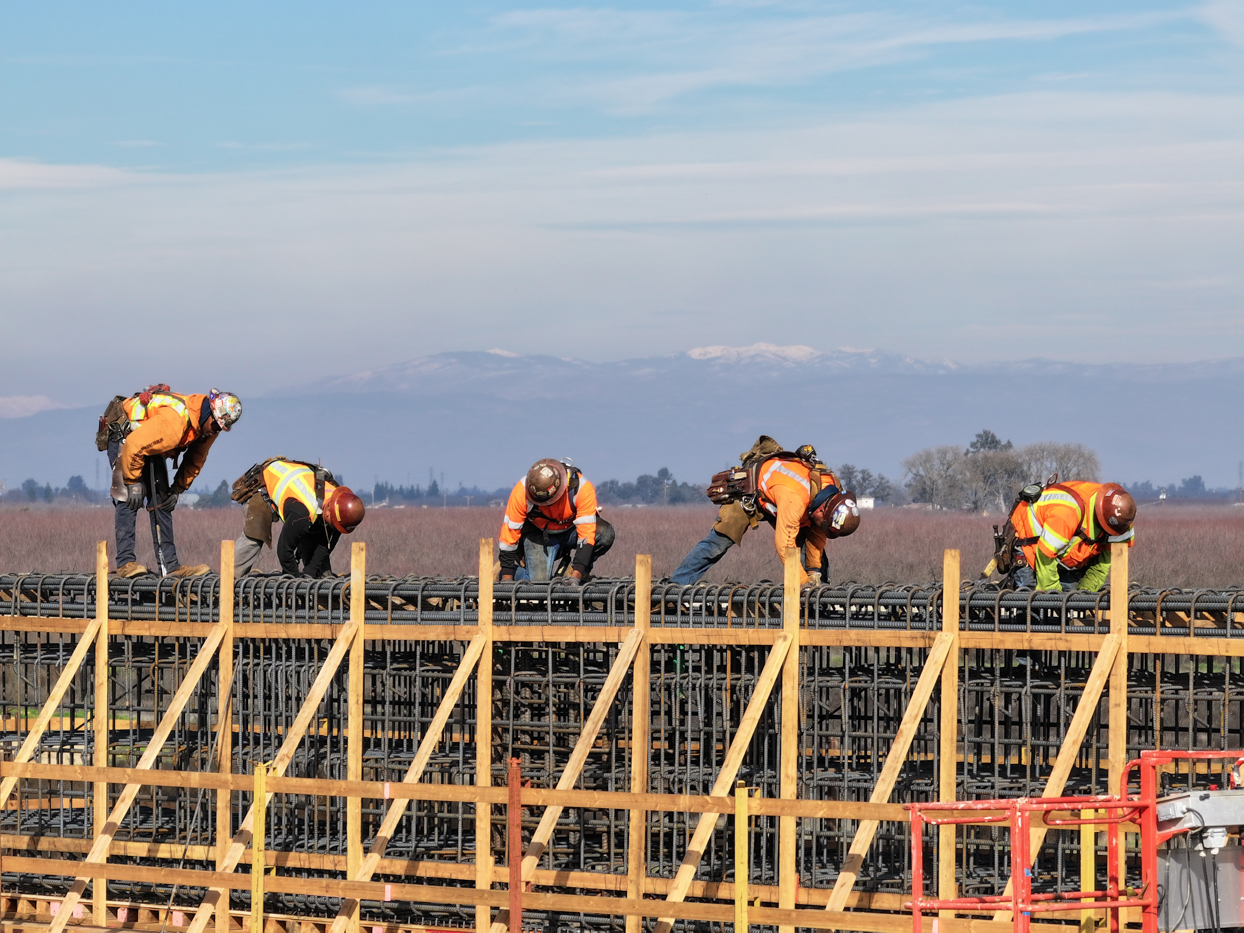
x=134, y=496
x=814, y=578
x=170, y=503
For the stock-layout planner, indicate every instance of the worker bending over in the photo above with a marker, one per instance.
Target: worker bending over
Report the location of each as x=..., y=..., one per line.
x=795, y=493
x=552, y=511
x=314, y=511
x=1063, y=538
x=139, y=433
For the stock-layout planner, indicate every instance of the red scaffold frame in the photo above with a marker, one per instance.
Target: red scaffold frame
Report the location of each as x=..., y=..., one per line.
x=1139, y=809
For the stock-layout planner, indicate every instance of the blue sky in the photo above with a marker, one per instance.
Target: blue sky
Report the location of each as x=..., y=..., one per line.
x=266, y=193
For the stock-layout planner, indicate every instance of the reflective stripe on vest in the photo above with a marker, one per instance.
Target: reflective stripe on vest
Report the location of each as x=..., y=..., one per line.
x=1052, y=539
x=293, y=480
x=139, y=411
x=778, y=467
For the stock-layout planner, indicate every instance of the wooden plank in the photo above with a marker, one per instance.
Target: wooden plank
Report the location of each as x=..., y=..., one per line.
x=431, y=739
x=286, y=752
x=1086, y=712
x=99, y=899
x=893, y=766
x=99, y=849
x=641, y=739
x=948, y=726
x=354, y=728
x=63, y=682
x=788, y=785
x=224, y=717
x=483, y=737
x=574, y=764
x=1117, y=723
x=725, y=777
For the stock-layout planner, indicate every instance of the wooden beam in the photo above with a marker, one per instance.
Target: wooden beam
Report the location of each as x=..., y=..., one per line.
x=574, y=765
x=431, y=739
x=284, y=755
x=788, y=787
x=99, y=900
x=1086, y=712
x=948, y=728
x=641, y=739
x=63, y=682
x=99, y=849
x=355, y=736
x=224, y=719
x=1117, y=728
x=893, y=766
x=725, y=777
x=483, y=737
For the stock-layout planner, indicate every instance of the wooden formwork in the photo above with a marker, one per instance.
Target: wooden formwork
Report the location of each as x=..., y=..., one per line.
x=637, y=896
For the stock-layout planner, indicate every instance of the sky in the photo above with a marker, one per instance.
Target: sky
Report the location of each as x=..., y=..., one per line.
x=259, y=195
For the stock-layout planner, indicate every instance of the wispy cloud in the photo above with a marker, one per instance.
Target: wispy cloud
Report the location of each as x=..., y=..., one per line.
x=137, y=143
x=378, y=95
x=264, y=147
x=1227, y=17
x=16, y=174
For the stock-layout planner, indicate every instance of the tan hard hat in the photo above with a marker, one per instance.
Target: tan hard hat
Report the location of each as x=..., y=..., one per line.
x=545, y=482
x=1115, y=510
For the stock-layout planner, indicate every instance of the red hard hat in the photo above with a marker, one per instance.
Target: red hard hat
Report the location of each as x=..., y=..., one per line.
x=545, y=482
x=1115, y=510
x=842, y=515
x=343, y=509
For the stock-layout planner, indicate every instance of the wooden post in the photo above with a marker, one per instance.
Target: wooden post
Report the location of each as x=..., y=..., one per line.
x=354, y=720
x=948, y=736
x=788, y=789
x=641, y=740
x=483, y=738
x=224, y=723
x=1117, y=742
x=99, y=901
x=741, y=861
x=514, y=844
x=260, y=808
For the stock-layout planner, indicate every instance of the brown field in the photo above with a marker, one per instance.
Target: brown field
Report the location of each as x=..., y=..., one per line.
x=1177, y=547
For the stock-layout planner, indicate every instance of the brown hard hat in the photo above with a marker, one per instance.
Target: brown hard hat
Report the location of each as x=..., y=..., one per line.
x=545, y=482
x=842, y=515
x=1115, y=510
x=343, y=509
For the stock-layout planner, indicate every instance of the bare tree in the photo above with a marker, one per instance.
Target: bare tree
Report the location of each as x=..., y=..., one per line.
x=936, y=475
x=1069, y=461
x=991, y=478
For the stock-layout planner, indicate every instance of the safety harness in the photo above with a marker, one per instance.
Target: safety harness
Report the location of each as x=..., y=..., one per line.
x=252, y=483
x=115, y=424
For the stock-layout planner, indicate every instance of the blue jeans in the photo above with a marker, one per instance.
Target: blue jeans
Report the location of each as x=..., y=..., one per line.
x=126, y=524
x=713, y=548
x=541, y=559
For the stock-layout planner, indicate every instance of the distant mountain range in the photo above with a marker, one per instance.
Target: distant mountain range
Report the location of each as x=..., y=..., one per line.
x=480, y=418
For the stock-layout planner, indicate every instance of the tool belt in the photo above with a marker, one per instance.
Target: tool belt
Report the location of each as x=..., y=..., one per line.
x=114, y=424
x=741, y=484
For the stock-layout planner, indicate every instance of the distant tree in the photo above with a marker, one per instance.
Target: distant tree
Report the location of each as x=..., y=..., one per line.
x=219, y=499
x=31, y=488
x=987, y=440
x=48, y=492
x=935, y=475
x=434, y=489
x=77, y=488
x=1069, y=461
x=1192, y=488
x=862, y=482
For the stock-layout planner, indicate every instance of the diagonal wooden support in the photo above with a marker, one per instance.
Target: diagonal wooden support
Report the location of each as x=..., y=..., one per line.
x=888, y=777
x=725, y=778
x=1086, y=712
x=431, y=739
x=297, y=730
x=99, y=850
x=587, y=738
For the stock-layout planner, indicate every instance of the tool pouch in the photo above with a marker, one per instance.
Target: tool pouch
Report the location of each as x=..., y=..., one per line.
x=112, y=423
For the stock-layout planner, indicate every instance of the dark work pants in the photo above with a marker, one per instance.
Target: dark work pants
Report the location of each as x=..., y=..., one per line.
x=126, y=523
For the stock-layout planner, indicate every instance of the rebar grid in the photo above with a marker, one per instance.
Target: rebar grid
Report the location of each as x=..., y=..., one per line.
x=1014, y=709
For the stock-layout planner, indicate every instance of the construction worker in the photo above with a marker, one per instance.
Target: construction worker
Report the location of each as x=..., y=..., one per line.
x=141, y=432
x=1064, y=536
x=796, y=494
x=314, y=511
x=551, y=512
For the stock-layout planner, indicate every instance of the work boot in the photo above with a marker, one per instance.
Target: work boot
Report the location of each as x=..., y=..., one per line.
x=132, y=569
x=191, y=570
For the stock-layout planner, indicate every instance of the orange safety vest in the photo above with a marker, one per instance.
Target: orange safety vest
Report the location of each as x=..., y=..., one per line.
x=285, y=481
x=576, y=509
x=1062, y=525
x=797, y=475
x=187, y=406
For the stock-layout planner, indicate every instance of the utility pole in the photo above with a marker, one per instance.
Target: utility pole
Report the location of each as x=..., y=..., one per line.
x=468, y=499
